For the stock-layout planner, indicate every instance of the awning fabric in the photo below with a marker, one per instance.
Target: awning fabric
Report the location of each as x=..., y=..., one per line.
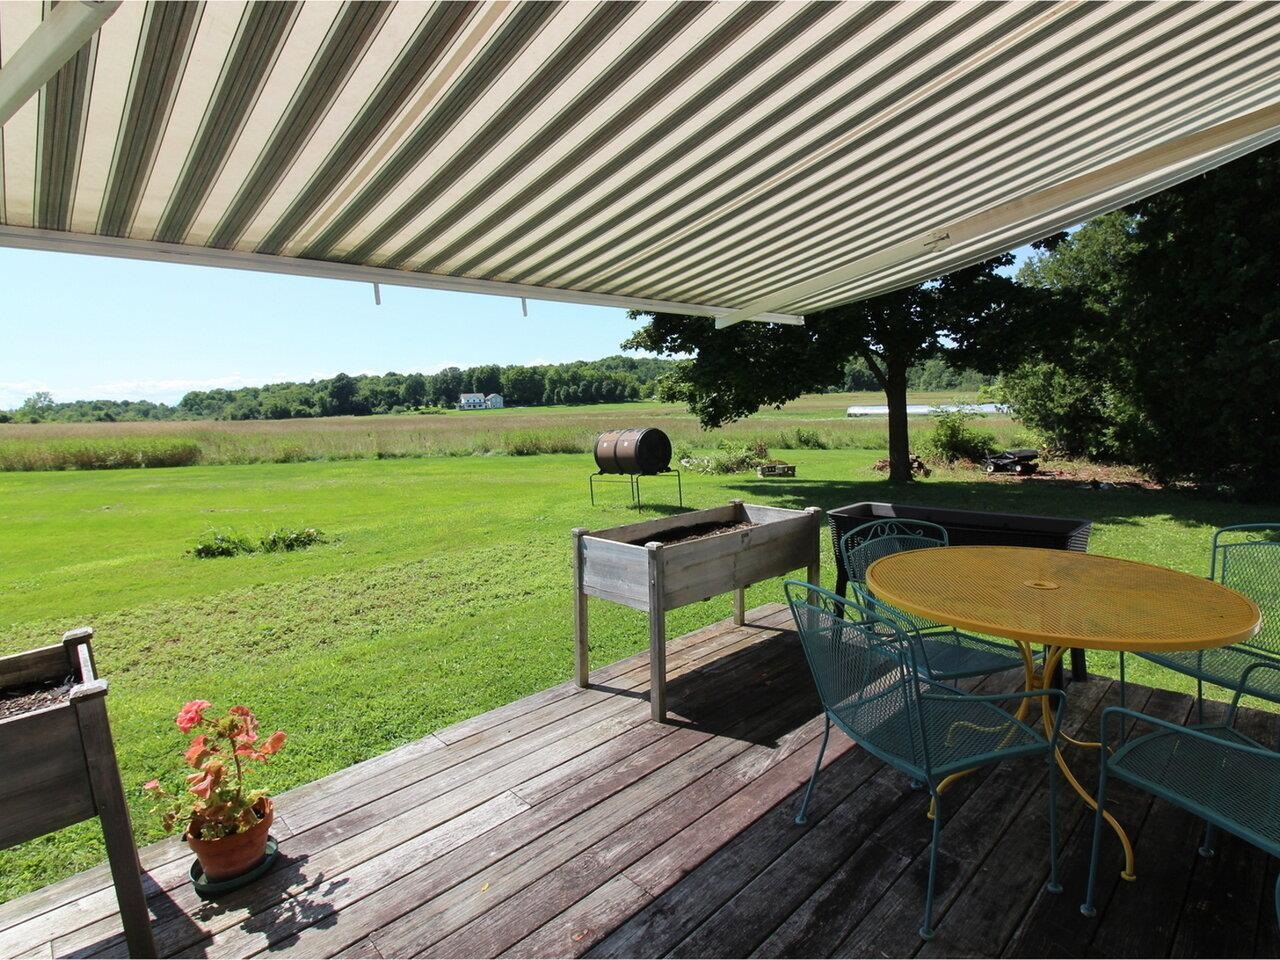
x=740, y=158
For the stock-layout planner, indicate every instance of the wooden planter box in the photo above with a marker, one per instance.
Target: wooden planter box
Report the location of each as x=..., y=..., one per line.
x=625, y=565
x=776, y=470
x=58, y=767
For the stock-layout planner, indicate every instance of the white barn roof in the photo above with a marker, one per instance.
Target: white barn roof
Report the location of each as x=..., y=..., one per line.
x=743, y=160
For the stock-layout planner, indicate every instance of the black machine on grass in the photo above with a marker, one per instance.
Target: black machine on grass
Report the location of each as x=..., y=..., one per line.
x=1021, y=462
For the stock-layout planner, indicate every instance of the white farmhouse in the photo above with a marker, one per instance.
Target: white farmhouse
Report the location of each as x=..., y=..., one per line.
x=478, y=401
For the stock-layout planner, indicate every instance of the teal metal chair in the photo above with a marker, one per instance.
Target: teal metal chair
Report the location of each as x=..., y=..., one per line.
x=1212, y=771
x=942, y=652
x=1245, y=557
x=865, y=670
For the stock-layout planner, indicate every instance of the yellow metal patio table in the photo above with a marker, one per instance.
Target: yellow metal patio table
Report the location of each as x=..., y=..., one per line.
x=1064, y=599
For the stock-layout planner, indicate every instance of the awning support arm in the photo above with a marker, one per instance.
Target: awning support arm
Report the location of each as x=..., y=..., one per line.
x=68, y=27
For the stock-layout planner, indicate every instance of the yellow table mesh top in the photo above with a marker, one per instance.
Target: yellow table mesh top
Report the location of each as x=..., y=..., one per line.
x=1065, y=598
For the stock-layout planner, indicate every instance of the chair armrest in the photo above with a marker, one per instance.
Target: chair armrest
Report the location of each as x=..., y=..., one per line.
x=1181, y=730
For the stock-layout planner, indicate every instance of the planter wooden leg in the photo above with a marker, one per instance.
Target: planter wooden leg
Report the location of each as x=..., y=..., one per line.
x=582, y=663
x=814, y=573
x=113, y=811
x=657, y=633
x=583, y=667
x=740, y=606
x=658, y=665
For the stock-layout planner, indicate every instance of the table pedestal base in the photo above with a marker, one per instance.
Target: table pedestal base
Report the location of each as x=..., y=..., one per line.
x=1052, y=659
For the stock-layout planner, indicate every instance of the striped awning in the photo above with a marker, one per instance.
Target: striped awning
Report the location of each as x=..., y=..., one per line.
x=732, y=159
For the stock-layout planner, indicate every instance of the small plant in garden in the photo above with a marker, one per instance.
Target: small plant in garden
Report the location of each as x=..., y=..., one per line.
x=215, y=803
x=731, y=457
x=954, y=439
x=809, y=439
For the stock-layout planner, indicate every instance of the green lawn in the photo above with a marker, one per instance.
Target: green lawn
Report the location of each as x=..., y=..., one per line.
x=444, y=592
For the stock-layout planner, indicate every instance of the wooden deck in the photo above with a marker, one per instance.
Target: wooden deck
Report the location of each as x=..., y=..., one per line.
x=568, y=823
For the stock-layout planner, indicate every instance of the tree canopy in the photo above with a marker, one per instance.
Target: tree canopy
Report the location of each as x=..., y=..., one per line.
x=610, y=380
x=1171, y=316
x=967, y=316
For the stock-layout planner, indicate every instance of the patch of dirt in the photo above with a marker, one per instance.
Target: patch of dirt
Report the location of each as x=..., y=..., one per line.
x=34, y=696
x=698, y=531
x=1086, y=475
x=917, y=466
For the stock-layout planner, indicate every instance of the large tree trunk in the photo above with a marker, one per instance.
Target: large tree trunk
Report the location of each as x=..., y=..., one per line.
x=895, y=391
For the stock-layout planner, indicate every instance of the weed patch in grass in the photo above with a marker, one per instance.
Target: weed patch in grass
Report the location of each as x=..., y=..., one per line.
x=222, y=543
x=229, y=543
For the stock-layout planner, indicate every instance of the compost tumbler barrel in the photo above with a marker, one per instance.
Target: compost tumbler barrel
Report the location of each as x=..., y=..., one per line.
x=638, y=450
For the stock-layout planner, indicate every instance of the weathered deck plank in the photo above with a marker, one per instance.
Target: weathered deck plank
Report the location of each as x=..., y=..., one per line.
x=568, y=823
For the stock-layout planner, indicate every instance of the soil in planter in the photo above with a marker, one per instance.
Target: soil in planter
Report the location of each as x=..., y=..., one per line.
x=699, y=531
x=34, y=696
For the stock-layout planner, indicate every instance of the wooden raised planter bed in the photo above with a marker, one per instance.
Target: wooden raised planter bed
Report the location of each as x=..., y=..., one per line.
x=650, y=566
x=58, y=767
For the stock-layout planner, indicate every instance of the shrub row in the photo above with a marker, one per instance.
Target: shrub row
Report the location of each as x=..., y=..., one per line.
x=99, y=455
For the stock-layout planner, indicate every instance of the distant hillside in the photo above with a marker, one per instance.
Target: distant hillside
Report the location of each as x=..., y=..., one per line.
x=610, y=380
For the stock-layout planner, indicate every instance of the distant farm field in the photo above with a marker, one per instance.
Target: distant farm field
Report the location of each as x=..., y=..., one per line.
x=516, y=431
x=444, y=589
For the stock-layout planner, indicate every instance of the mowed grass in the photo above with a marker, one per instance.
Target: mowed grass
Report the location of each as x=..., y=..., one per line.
x=815, y=420
x=445, y=591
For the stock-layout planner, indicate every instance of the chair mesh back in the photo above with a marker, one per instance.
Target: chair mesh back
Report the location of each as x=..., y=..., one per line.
x=864, y=545
x=1252, y=566
x=863, y=670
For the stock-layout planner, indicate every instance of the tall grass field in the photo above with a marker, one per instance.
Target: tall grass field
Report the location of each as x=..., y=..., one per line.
x=442, y=588
x=816, y=421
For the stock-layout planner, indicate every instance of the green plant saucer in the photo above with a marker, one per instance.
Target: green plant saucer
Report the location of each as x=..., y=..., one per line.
x=208, y=889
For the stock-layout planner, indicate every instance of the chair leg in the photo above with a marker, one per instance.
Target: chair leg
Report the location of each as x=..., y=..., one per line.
x=1122, y=679
x=1122, y=696
x=1053, y=886
x=1278, y=900
x=1087, y=908
x=1207, y=848
x=817, y=767
x=926, y=931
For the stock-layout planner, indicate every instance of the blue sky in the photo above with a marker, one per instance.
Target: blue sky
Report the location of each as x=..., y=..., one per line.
x=97, y=328
x=89, y=328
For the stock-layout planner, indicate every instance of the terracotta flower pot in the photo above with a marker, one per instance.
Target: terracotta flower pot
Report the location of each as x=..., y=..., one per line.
x=230, y=857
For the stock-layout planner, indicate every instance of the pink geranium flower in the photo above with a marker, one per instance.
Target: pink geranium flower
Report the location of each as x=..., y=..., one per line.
x=273, y=743
x=191, y=714
x=217, y=801
x=204, y=782
x=198, y=752
x=247, y=723
x=261, y=751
